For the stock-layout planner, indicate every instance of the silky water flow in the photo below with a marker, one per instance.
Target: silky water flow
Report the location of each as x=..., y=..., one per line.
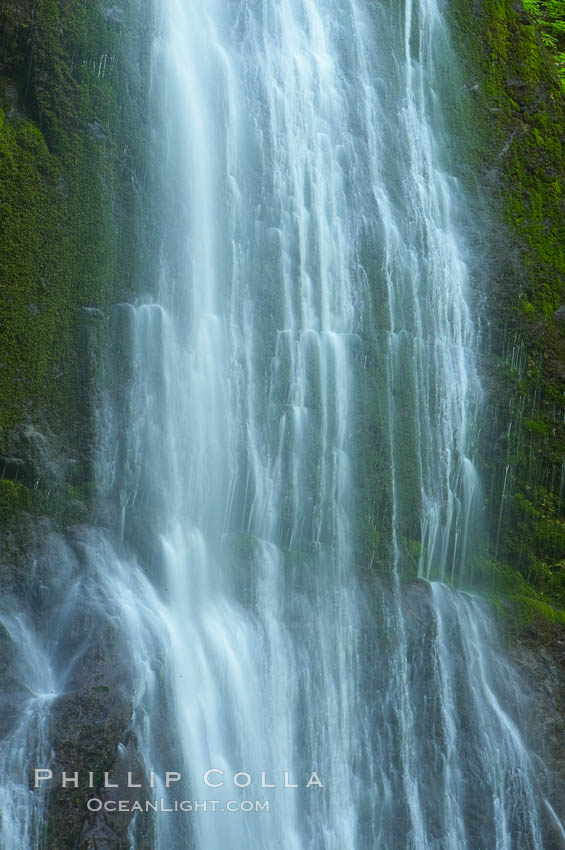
x=311, y=335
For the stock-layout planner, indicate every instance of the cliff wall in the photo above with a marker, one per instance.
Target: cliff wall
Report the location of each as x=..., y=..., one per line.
x=74, y=78
x=73, y=84
x=516, y=100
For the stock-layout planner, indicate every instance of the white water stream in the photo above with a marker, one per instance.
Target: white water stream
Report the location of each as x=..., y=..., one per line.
x=313, y=265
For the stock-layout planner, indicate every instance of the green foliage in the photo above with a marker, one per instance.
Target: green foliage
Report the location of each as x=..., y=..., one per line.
x=518, y=106
x=522, y=609
x=549, y=16
x=71, y=130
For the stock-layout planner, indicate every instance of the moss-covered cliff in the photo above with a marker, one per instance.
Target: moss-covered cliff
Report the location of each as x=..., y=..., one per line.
x=72, y=98
x=71, y=140
x=517, y=102
x=73, y=83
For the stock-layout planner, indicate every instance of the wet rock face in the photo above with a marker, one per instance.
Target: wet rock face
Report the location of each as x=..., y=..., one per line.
x=13, y=692
x=89, y=721
x=57, y=633
x=543, y=669
x=105, y=830
x=455, y=659
x=91, y=718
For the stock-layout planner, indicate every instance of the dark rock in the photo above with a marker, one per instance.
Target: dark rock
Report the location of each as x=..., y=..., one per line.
x=543, y=669
x=12, y=468
x=108, y=830
x=13, y=692
x=89, y=726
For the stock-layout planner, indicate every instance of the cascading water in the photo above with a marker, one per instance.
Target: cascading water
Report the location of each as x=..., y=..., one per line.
x=312, y=272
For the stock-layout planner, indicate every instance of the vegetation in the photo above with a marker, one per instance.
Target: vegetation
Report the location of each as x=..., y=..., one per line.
x=518, y=104
x=71, y=137
x=71, y=131
x=73, y=83
x=549, y=16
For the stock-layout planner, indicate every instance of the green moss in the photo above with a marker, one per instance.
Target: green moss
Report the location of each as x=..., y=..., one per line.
x=520, y=608
x=517, y=151
x=14, y=498
x=71, y=132
x=535, y=426
x=549, y=16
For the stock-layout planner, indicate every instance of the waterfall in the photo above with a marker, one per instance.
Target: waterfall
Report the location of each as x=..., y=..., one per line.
x=285, y=452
